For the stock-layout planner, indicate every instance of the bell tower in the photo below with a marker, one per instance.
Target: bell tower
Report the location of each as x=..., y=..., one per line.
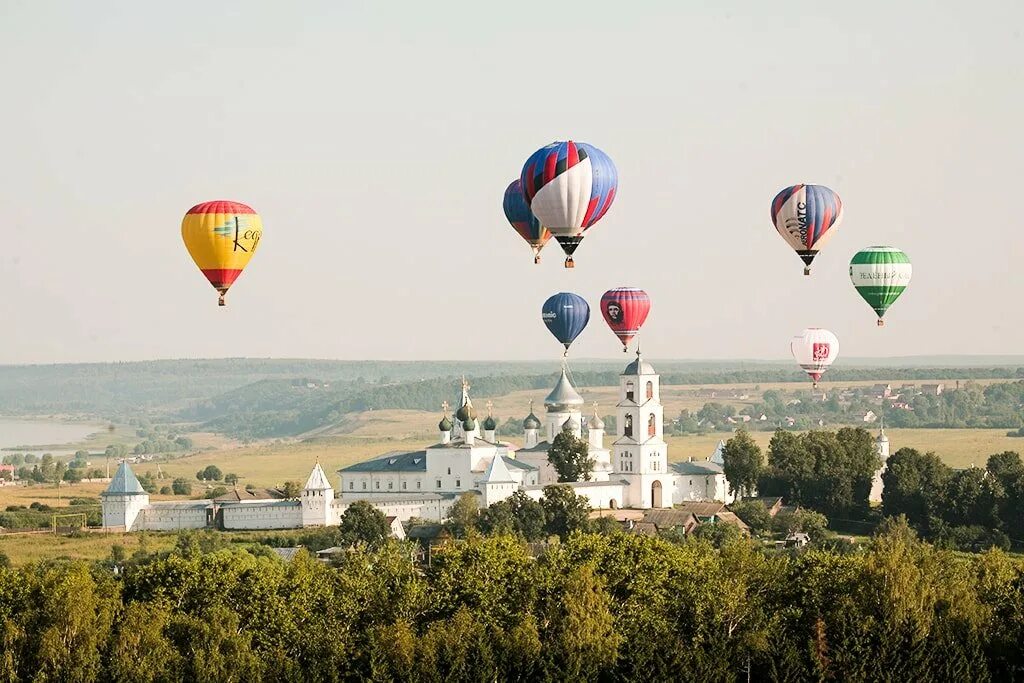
x=639, y=454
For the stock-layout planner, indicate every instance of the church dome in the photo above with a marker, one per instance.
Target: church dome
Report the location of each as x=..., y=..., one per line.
x=490, y=424
x=469, y=425
x=639, y=367
x=595, y=422
x=571, y=425
x=881, y=438
x=445, y=425
x=466, y=412
x=563, y=395
x=531, y=422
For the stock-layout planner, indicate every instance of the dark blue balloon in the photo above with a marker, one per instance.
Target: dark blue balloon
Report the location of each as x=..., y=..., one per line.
x=566, y=315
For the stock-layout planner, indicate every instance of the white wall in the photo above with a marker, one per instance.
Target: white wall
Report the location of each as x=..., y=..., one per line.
x=256, y=516
x=158, y=518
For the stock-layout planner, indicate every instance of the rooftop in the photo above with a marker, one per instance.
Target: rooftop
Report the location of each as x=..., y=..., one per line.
x=395, y=461
x=564, y=394
x=124, y=482
x=696, y=467
x=639, y=367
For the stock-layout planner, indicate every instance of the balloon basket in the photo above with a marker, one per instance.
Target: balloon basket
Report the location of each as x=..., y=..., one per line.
x=536, y=259
x=220, y=301
x=569, y=263
x=881, y=323
x=807, y=270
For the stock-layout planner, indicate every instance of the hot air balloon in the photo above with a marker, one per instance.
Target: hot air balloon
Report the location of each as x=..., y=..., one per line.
x=625, y=309
x=569, y=187
x=518, y=213
x=565, y=314
x=880, y=275
x=815, y=349
x=806, y=216
x=221, y=237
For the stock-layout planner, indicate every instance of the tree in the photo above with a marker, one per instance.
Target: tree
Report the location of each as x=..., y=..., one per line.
x=464, y=515
x=231, y=478
x=211, y=473
x=754, y=514
x=361, y=522
x=791, y=467
x=743, y=463
x=583, y=640
x=814, y=524
x=564, y=511
x=570, y=457
x=914, y=485
x=181, y=487
x=292, y=490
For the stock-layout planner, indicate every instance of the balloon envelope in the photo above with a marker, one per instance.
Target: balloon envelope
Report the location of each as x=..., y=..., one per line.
x=880, y=274
x=569, y=186
x=807, y=216
x=221, y=236
x=815, y=349
x=565, y=314
x=625, y=309
x=518, y=213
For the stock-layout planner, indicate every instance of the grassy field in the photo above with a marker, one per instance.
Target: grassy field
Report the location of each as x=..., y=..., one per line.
x=25, y=548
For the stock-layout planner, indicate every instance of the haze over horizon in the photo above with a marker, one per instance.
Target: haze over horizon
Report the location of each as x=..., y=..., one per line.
x=376, y=142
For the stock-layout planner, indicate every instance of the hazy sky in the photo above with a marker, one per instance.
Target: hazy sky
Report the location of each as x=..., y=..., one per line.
x=376, y=140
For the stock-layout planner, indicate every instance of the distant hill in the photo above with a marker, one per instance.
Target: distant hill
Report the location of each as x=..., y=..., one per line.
x=208, y=390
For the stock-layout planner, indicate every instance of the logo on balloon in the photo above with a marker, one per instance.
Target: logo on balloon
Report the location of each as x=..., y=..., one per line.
x=820, y=351
x=614, y=311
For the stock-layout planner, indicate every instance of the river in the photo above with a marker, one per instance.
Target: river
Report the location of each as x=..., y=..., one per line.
x=14, y=432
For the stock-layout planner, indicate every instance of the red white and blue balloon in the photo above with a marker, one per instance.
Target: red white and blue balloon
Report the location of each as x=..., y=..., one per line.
x=807, y=216
x=569, y=187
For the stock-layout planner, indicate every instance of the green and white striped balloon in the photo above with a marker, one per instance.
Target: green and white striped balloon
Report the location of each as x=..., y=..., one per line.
x=880, y=275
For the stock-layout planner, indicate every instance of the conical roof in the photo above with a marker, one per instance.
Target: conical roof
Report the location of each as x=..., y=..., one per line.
x=124, y=482
x=317, y=480
x=717, y=456
x=564, y=394
x=498, y=472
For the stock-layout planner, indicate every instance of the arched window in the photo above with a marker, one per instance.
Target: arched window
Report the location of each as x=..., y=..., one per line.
x=651, y=427
x=627, y=428
x=629, y=390
x=650, y=390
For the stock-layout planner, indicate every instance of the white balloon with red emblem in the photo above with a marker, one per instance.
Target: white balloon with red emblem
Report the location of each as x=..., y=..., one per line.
x=815, y=349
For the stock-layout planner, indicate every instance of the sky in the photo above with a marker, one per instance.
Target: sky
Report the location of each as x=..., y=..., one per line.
x=376, y=141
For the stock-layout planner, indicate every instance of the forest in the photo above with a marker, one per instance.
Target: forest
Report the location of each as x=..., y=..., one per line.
x=602, y=607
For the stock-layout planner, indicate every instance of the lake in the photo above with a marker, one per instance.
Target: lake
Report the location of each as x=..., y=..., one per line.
x=14, y=432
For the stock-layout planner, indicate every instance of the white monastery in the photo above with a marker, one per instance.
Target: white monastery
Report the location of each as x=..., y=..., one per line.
x=630, y=472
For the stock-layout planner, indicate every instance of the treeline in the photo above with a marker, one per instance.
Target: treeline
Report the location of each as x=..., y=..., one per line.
x=611, y=607
x=971, y=509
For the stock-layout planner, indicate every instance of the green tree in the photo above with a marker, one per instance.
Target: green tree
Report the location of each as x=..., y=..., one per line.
x=231, y=478
x=564, y=511
x=743, y=463
x=362, y=522
x=464, y=515
x=581, y=639
x=292, y=490
x=140, y=651
x=914, y=485
x=212, y=473
x=754, y=514
x=570, y=457
x=181, y=487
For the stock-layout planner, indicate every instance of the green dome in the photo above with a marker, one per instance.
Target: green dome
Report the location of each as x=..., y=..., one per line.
x=466, y=412
x=490, y=424
x=531, y=422
x=469, y=425
x=445, y=425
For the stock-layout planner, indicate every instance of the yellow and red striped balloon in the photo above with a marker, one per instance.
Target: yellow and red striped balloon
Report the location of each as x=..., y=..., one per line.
x=221, y=237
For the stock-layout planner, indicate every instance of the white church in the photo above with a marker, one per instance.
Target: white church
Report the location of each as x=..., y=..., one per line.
x=630, y=472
